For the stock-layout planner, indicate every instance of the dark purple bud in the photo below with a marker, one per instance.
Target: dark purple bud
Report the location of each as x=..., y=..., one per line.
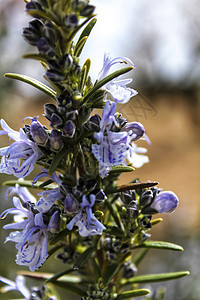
x=33, y=5
x=128, y=196
x=77, y=71
x=36, y=24
x=87, y=10
x=38, y=133
x=72, y=114
x=49, y=109
x=66, y=61
x=100, y=196
x=53, y=64
x=56, y=142
x=71, y=21
x=165, y=202
x=132, y=212
x=54, y=224
x=31, y=36
x=69, y=129
x=94, y=123
x=56, y=121
x=45, y=47
x=146, y=198
x=135, y=130
x=54, y=75
x=64, y=101
x=70, y=204
x=49, y=32
x=129, y=270
x=79, y=4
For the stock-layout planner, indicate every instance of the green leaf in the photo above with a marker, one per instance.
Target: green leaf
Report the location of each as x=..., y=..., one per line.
x=139, y=256
x=121, y=169
x=155, y=277
x=35, y=56
x=59, y=236
x=56, y=160
x=160, y=245
x=86, y=31
x=83, y=258
x=102, y=82
x=133, y=293
x=79, y=46
x=114, y=230
x=84, y=74
x=60, y=274
x=29, y=184
x=156, y=221
x=70, y=287
x=114, y=214
x=110, y=272
x=54, y=249
x=35, y=83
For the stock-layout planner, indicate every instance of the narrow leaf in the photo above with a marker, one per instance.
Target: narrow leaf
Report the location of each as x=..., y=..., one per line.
x=110, y=272
x=133, y=293
x=58, y=275
x=139, y=256
x=86, y=31
x=156, y=221
x=29, y=184
x=114, y=230
x=121, y=169
x=83, y=258
x=79, y=46
x=35, y=83
x=35, y=56
x=156, y=277
x=58, y=237
x=108, y=78
x=160, y=245
x=70, y=287
x=56, y=160
x=135, y=186
x=114, y=214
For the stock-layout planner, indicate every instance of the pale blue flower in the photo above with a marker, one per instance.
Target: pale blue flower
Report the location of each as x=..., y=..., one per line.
x=117, y=88
x=114, y=147
x=165, y=202
x=87, y=223
x=18, y=285
x=18, y=158
x=32, y=240
x=49, y=197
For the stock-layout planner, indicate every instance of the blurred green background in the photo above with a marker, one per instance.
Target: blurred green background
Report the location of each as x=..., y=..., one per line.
x=162, y=39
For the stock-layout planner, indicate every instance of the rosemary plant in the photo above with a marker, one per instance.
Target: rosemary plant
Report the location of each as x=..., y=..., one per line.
x=82, y=216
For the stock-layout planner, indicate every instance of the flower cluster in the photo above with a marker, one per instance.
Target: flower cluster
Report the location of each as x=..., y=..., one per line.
x=80, y=206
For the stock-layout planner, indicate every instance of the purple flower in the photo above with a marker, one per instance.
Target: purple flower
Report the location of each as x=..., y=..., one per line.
x=18, y=158
x=38, y=132
x=114, y=147
x=49, y=197
x=165, y=202
x=21, y=192
x=117, y=88
x=32, y=233
x=18, y=285
x=87, y=223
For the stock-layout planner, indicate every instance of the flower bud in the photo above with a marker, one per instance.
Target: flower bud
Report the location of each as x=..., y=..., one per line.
x=38, y=133
x=56, y=140
x=54, y=224
x=54, y=75
x=71, y=21
x=129, y=270
x=33, y=5
x=36, y=24
x=135, y=130
x=49, y=32
x=71, y=114
x=67, y=61
x=31, y=36
x=56, y=121
x=70, y=204
x=69, y=129
x=165, y=202
x=49, y=109
x=146, y=198
x=45, y=47
x=87, y=10
x=93, y=124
